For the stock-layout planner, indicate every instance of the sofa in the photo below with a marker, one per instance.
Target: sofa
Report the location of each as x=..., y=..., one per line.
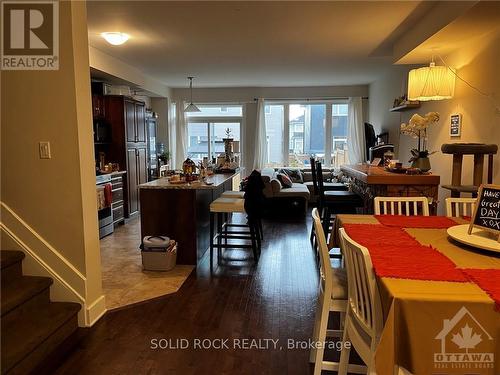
x=293, y=199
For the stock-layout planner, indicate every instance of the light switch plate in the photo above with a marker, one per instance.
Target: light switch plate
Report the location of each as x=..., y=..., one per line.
x=44, y=148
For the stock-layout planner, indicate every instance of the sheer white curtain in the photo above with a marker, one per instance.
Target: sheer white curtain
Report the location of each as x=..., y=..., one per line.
x=356, y=132
x=260, y=151
x=181, y=135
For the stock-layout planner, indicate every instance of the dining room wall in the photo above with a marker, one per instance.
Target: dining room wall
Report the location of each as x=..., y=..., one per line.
x=475, y=62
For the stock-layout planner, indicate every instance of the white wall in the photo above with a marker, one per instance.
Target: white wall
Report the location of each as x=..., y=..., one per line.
x=49, y=205
x=478, y=64
x=382, y=94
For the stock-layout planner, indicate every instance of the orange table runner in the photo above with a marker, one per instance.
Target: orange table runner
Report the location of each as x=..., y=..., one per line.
x=395, y=253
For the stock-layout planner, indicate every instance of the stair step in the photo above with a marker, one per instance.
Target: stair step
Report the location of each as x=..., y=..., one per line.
x=29, y=336
x=21, y=291
x=10, y=257
x=11, y=264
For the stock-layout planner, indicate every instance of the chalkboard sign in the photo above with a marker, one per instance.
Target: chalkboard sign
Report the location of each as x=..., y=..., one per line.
x=487, y=212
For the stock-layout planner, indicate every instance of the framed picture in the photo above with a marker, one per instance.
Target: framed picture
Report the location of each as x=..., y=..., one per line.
x=455, y=125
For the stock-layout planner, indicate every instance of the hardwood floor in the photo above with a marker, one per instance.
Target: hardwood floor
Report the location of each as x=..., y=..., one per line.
x=275, y=299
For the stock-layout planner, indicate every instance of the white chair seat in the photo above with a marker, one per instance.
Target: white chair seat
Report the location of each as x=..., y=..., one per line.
x=227, y=205
x=339, y=283
x=233, y=194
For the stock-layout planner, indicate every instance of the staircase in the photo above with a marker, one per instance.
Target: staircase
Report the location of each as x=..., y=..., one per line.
x=35, y=331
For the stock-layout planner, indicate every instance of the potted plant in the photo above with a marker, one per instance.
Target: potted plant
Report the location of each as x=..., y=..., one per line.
x=417, y=128
x=164, y=157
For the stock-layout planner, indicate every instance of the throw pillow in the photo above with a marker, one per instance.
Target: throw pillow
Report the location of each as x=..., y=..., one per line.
x=285, y=180
x=294, y=174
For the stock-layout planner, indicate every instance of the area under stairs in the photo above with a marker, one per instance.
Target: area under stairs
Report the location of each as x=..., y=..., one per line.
x=34, y=330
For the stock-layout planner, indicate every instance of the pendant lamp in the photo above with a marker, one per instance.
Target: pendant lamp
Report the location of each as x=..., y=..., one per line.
x=191, y=107
x=432, y=82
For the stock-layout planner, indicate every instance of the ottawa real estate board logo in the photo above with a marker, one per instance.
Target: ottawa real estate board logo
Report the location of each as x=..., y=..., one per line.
x=464, y=344
x=30, y=35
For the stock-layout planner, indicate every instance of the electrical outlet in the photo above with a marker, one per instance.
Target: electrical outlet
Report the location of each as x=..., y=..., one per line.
x=44, y=148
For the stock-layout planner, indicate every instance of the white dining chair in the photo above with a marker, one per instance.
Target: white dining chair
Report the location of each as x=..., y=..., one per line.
x=456, y=207
x=408, y=206
x=332, y=298
x=363, y=321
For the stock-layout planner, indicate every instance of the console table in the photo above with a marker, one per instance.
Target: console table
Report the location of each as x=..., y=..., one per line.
x=370, y=182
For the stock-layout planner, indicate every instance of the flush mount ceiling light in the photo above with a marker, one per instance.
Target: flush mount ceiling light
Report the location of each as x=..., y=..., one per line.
x=433, y=82
x=115, y=38
x=191, y=107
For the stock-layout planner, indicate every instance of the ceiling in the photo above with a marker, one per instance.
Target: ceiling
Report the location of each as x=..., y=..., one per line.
x=479, y=24
x=258, y=43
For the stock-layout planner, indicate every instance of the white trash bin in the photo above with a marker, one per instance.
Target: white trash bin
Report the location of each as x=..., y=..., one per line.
x=159, y=253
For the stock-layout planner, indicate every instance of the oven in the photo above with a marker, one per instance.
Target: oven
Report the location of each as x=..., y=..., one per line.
x=104, y=202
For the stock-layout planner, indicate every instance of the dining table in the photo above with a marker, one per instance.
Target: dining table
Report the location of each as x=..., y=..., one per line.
x=440, y=299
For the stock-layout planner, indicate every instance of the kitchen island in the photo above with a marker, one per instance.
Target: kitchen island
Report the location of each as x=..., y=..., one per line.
x=182, y=212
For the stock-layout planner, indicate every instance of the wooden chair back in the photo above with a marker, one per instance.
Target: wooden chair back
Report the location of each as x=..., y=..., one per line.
x=314, y=177
x=363, y=296
x=457, y=207
x=408, y=206
x=326, y=274
x=321, y=186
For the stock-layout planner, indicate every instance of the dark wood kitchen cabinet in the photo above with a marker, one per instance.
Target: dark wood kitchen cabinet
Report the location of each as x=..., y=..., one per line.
x=137, y=174
x=129, y=145
x=98, y=106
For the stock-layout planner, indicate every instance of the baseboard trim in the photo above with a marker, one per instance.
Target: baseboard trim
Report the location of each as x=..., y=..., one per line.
x=69, y=282
x=95, y=311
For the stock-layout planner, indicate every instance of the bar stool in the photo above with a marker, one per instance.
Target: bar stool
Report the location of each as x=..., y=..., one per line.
x=479, y=150
x=233, y=194
x=241, y=195
x=222, y=206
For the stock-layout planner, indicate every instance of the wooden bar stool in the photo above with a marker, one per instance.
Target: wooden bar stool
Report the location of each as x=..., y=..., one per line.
x=233, y=194
x=241, y=195
x=479, y=150
x=220, y=208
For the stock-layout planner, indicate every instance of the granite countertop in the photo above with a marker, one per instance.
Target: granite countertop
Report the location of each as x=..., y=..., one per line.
x=163, y=183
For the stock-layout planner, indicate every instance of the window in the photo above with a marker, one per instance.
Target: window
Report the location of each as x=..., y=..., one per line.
x=274, y=132
x=307, y=133
x=207, y=129
x=339, y=134
x=297, y=131
x=213, y=110
x=197, y=141
x=218, y=133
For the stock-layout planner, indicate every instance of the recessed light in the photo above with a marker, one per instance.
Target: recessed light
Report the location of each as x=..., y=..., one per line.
x=115, y=38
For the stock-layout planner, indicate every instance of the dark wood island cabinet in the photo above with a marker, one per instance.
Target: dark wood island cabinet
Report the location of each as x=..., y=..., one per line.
x=182, y=212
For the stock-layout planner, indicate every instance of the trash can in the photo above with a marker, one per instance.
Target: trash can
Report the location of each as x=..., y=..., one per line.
x=159, y=253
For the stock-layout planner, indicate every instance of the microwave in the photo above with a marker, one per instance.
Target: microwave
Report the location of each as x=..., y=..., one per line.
x=102, y=131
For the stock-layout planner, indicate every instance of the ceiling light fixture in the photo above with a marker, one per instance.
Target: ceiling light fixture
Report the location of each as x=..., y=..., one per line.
x=433, y=82
x=115, y=38
x=191, y=106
